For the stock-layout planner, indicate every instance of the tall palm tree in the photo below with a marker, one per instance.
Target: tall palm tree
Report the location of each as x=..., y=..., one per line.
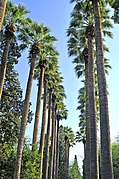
x=54, y=155
x=35, y=35
x=45, y=60
x=46, y=158
x=85, y=26
x=88, y=129
x=86, y=13
x=34, y=51
x=69, y=141
x=2, y=11
x=14, y=18
x=52, y=67
x=42, y=65
x=61, y=114
x=50, y=173
x=42, y=137
x=57, y=147
x=92, y=106
x=106, y=154
x=60, y=94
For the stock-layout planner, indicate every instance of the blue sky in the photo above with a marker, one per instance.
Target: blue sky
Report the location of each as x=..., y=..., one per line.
x=56, y=15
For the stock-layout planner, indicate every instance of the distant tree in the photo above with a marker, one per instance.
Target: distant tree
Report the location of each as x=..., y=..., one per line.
x=66, y=140
x=74, y=172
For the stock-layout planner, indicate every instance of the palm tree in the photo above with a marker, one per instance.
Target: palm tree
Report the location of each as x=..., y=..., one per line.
x=85, y=27
x=42, y=138
x=50, y=173
x=46, y=158
x=35, y=35
x=34, y=51
x=88, y=124
x=2, y=11
x=50, y=56
x=14, y=18
x=69, y=141
x=106, y=156
x=57, y=147
x=45, y=57
x=42, y=65
x=58, y=90
x=78, y=23
x=92, y=106
x=61, y=114
x=81, y=133
x=54, y=155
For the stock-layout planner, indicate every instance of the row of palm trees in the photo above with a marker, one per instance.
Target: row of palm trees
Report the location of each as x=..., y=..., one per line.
x=85, y=44
x=89, y=23
x=43, y=61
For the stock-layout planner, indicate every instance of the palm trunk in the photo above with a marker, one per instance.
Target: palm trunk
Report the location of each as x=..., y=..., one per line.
x=4, y=64
x=42, y=138
x=50, y=173
x=24, y=119
x=46, y=158
x=38, y=105
x=92, y=107
x=54, y=159
x=57, y=149
x=2, y=11
x=106, y=154
x=66, y=157
x=84, y=160
x=87, y=148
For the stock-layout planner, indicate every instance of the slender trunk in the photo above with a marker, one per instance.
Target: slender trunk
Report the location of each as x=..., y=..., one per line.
x=24, y=119
x=4, y=64
x=92, y=107
x=43, y=128
x=57, y=149
x=2, y=11
x=46, y=158
x=38, y=105
x=50, y=173
x=54, y=159
x=87, y=148
x=66, y=156
x=84, y=160
x=106, y=155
